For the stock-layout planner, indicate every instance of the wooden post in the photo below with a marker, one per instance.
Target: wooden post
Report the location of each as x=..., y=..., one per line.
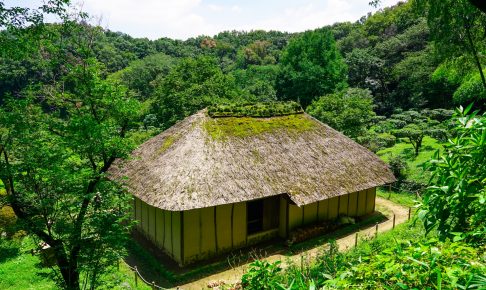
x=394, y=218
x=301, y=263
x=136, y=276
x=356, y=240
x=376, y=230
x=409, y=212
x=389, y=191
x=153, y=285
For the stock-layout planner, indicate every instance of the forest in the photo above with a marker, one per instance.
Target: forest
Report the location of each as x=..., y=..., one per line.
x=407, y=82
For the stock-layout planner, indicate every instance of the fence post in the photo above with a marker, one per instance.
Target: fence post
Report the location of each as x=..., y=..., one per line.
x=136, y=276
x=389, y=191
x=301, y=263
x=153, y=285
x=376, y=230
x=409, y=212
x=394, y=218
x=356, y=240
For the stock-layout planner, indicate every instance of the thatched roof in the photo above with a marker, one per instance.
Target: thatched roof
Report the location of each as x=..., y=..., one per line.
x=204, y=161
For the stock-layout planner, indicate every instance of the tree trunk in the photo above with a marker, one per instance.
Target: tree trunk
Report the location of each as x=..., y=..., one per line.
x=475, y=55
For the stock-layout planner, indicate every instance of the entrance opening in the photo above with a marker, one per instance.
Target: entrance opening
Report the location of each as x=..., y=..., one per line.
x=262, y=214
x=255, y=216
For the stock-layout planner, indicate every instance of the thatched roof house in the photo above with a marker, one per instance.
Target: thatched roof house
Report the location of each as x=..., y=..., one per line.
x=209, y=185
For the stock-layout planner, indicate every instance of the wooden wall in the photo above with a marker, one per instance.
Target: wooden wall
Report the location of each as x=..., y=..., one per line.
x=198, y=234
x=162, y=227
x=354, y=204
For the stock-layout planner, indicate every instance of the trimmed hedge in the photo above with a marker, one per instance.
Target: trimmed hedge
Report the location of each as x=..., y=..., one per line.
x=258, y=110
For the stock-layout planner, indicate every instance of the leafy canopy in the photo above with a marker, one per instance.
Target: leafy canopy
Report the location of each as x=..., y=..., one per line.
x=310, y=66
x=349, y=111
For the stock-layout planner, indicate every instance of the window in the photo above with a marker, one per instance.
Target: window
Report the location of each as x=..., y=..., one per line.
x=254, y=213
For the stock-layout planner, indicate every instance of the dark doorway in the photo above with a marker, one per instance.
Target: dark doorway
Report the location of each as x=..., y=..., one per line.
x=262, y=214
x=254, y=212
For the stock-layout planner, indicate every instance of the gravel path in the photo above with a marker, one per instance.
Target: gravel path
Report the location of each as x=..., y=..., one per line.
x=386, y=207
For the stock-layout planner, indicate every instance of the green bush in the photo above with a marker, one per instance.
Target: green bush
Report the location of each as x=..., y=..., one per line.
x=429, y=265
x=398, y=165
x=262, y=109
x=470, y=90
x=262, y=275
x=454, y=203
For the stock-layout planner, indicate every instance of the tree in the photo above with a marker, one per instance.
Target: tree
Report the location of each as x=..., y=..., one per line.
x=454, y=201
x=57, y=142
x=311, y=66
x=457, y=23
x=191, y=85
x=140, y=74
x=415, y=133
x=348, y=111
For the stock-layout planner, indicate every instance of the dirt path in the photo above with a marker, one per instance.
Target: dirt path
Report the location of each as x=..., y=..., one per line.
x=386, y=207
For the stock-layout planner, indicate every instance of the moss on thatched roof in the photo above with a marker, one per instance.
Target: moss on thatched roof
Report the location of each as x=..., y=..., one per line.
x=204, y=161
x=224, y=128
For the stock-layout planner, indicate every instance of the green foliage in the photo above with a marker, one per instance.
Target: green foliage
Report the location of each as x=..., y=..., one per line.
x=140, y=74
x=348, y=111
x=257, y=81
x=268, y=109
x=414, y=126
x=398, y=166
x=454, y=202
x=408, y=265
x=470, y=90
x=311, y=66
x=415, y=172
x=261, y=275
x=190, y=86
x=376, y=142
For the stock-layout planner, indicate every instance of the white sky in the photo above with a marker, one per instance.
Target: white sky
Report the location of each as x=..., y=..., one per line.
x=182, y=19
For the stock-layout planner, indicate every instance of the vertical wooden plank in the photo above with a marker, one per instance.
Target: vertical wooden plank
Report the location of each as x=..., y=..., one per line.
x=310, y=213
x=352, y=204
x=223, y=229
x=159, y=236
x=343, y=205
x=370, y=201
x=333, y=207
x=323, y=210
x=239, y=224
x=208, y=243
x=144, y=218
x=215, y=230
x=176, y=236
x=361, y=203
x=295, y=217
x=168, y=232
x=182, y=237
x=171, y=234
x=151, y=223
x=191, y=235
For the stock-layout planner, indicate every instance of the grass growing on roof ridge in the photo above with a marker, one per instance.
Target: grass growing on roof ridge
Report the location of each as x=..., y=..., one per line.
x=222, y=128
x=258, y=109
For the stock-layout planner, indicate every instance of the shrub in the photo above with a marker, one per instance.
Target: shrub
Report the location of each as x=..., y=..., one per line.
x=429, y=265
x=454, y=203
x=262, y=275
x=398, y=166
